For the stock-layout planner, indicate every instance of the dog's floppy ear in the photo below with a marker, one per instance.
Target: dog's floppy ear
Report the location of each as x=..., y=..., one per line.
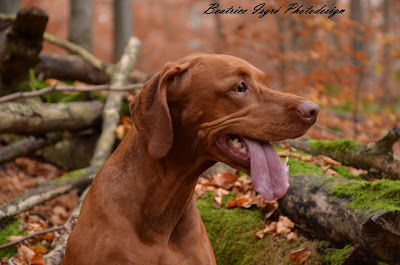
x=150, y=112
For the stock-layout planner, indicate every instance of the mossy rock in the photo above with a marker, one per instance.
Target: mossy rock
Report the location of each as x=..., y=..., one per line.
x=231, y=232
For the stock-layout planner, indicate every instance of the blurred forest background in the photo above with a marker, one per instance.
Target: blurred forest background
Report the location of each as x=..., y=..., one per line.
x=349, y=64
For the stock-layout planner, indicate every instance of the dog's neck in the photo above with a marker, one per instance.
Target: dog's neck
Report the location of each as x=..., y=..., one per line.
x=163, y=191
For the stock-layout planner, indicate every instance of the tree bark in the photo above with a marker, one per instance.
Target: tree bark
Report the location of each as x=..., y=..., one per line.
x=21, y=48
x=112, y=106
x=80, y=23
x=122, y=25
x=41, y=118
x=21, y=148
x=74, y=68
x=376, y=157
x=311, y=205
x=7, y=7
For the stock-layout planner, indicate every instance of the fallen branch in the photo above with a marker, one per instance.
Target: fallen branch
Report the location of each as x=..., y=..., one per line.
x=42, y=193
x=112, y=106
x=135, y=88
x=38, y=233
x=76, y=49
x=21, y=148
x=312, y=204
x=41, y=118
x=74, y=68
x=376, y=157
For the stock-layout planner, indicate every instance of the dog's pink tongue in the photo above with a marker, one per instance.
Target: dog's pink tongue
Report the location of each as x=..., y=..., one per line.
x=269, y=175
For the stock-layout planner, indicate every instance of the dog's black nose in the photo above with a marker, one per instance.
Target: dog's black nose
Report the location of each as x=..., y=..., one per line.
x=309, y=110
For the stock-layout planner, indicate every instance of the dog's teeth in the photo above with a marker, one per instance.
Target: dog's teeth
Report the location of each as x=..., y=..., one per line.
x=236, y=143
x=243, y=150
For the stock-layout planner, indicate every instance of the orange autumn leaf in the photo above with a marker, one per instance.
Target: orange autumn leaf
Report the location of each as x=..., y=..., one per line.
x=38, y=260
x=232, y=203
x=40, y=250
x=299, y=256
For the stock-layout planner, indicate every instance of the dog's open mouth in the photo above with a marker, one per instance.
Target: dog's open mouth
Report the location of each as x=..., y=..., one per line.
x=269, y=176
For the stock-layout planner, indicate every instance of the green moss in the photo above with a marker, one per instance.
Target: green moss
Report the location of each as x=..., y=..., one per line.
x=336, y=256
x=231, y=232
x=344, y=172
x=300, y=167
x=71, y=175
x=374, y=196
x=341, y=145
x=11, y=229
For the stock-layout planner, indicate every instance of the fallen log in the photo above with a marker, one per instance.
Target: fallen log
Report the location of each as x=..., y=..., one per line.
x=41, y=118
x=42, y=193
x=363, y=213
x=21, y=148
x=74, y=68
x=376, y=157
x=21, y=48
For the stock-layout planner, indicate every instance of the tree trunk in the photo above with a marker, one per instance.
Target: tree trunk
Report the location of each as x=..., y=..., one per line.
x=386, y=60
x=41, y=118
x=72, y=68
x=80, y=23
x=21, y=48
x=122, y=25
x=8, y=7
x=312, y=206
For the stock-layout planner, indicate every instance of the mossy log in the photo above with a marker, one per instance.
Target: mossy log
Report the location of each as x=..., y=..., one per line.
x=376, y=157
x=22, y=118
x=42, y=193
x=21, y=48
x=74, y=68
x=358, y=212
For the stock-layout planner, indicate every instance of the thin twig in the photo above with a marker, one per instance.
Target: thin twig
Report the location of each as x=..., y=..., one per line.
x=14, y=96
x=57, y=228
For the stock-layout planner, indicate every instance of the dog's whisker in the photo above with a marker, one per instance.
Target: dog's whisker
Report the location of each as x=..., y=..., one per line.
x=194, y=145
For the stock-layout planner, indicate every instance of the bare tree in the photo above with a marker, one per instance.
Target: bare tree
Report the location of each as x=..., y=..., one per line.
x=122, y=25
x=386, y=62
x=80, y=23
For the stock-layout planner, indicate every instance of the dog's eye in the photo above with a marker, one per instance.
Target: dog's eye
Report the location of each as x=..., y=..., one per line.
x=241, y=88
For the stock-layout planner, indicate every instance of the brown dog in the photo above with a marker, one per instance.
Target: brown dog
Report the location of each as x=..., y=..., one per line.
x=196, y=111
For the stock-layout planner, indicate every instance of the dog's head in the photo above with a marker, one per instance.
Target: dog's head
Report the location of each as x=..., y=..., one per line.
x=223, y=110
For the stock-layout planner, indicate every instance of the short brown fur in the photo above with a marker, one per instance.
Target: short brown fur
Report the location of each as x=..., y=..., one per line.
x=139, y=209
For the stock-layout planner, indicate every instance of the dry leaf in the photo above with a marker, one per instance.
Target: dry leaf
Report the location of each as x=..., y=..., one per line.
x=25, y=253
x=13, y=238
x=259, y=234
x=357, y=172
x=292, y=237
x=38, y=260
x=270, y=228
x=40, y=250
x=331, y=172
x=299, y=256
x=284, y=225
